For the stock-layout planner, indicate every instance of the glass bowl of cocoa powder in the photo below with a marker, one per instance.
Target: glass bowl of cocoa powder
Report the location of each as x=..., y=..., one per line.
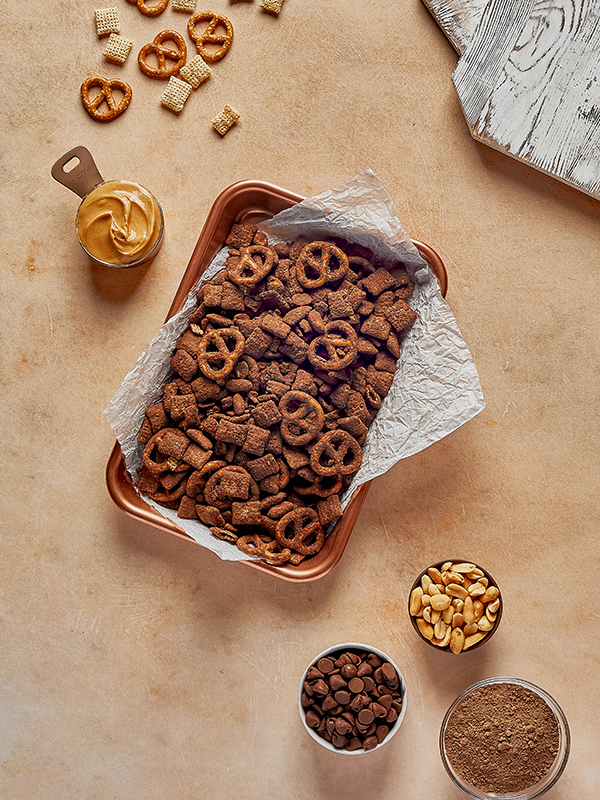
x=504, y=738
x=352, y=698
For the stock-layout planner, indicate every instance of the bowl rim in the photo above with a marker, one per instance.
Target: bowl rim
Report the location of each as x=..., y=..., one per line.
x=343, y=647
x=490, y=578
x=539, y=788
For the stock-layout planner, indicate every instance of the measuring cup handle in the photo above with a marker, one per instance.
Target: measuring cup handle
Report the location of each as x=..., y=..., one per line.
x=83, y=177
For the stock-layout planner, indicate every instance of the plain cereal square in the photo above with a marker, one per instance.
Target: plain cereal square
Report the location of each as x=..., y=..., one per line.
x=225, y=119
x=196, y=70
x=117, y=49
x=107, y=21
x=175, y=94
x=187, y=6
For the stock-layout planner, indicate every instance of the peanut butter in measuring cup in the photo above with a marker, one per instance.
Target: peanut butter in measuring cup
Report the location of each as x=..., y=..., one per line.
x=119, y=223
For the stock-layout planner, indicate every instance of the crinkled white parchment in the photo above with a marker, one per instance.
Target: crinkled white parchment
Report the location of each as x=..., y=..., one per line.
x=436, y=388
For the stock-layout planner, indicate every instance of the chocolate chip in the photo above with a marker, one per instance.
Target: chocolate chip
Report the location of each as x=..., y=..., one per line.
x=366, y=716
x=312, y=720
x=343, y=697
x=348, y=671
x=337, y=682
x=321, y=688
x=325, y=665
x=356, y=685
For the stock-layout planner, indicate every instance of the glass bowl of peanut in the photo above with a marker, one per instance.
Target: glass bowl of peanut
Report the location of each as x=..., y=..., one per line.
x=455, y=605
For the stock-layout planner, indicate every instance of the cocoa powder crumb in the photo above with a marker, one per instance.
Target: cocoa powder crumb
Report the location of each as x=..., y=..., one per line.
x=502, y=738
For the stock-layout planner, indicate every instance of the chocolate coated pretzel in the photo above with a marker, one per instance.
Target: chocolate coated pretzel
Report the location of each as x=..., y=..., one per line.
x=303, y=417
x=106, y=87
x=316, y=266
x=209, y=35
x=198, y=478
x=340, y=344
x=214, y=350
x=162, y=53
x=322, y=486
x=336, y=453
x=259, y=546
x=152, y=460
x=300, y=530
x=254, y=264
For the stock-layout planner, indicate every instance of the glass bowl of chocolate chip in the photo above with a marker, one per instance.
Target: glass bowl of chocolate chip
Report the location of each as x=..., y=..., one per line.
x=352, y=698
x=504, y=738
x=455, y=606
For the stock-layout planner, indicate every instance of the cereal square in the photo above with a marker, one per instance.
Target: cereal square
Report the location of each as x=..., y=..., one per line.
x=107, y=21
x=225, y=119
x=256, y=440
x=272, y=6
x=401, y=315
x=117, y=49
x=175, y=94
x=187, y=6
x=196, y=70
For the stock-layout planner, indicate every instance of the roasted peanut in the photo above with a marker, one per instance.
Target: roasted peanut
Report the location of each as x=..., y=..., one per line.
x=425, y=628
x=440, y=602
x=415, y=600
x=435, y=575
x=457, y=640
x=457, y=591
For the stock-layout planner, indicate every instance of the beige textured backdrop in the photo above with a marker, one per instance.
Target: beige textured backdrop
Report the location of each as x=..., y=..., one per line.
x=136, y=665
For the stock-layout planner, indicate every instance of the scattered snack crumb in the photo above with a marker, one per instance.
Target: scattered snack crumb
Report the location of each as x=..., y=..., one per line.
x=272, y=6
x=117, y=49
x=223, y=121
x=195, y=71
x=107, y=21
x=187, y=6
x=175, y=94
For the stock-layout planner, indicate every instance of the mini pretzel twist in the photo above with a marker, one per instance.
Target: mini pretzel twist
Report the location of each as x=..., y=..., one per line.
x=214, y=496
x=214, y=356
x=322, y=486
x=254, y=264
x=163, y=53
x=198, y=478
x=259, y=546
x=208, y=36
x=300, y=530
x=150, y=11
x=152, y=460
x=336, y=453
x=106, y=87
x=316, y=265
x=340, y=344
x=303, y=417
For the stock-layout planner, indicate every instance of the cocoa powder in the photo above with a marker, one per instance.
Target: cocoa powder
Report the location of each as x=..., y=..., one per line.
x=502, y=738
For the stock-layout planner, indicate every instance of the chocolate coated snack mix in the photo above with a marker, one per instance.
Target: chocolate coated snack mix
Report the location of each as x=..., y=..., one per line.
x=275, y=382
x=352, y=699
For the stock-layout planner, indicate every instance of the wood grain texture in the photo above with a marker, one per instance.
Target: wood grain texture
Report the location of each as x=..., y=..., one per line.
x=457, y=18
x=529, y=85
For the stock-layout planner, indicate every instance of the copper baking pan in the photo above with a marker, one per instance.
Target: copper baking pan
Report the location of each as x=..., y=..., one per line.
x=246, y=201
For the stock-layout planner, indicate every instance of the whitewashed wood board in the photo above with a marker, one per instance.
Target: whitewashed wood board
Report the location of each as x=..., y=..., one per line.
x=529, y=84
x=457, y=18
